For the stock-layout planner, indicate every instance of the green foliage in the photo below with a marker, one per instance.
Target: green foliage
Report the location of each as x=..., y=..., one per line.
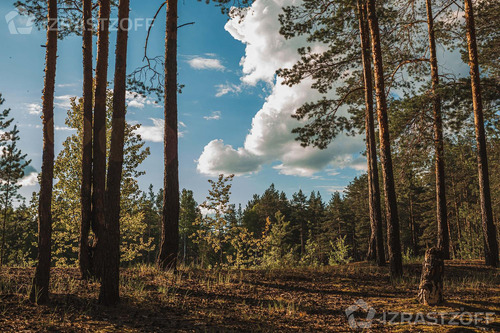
x=189, y=214
x=213, y=228
x=487, y=22
x=21, y=235
x=245, y=249
x=66, y=209
x=12, y=165
x=277, y=251
x=339, y=253
x=313, y=253
x=470, y=245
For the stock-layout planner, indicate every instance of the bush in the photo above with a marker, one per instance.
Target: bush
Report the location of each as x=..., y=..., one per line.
x=339, y=253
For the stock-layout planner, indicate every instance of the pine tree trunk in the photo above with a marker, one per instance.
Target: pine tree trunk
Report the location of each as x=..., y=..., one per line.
x=99, y=144
x=491, y=242
x=393, y=238
x=441, y=213
x=302, y=240
x=109, y=293
x=4, y=227
x=86, y=188
x=167, y=256
x=376, y=246
x=40, y=288
x=414, y=243
x=457, y=210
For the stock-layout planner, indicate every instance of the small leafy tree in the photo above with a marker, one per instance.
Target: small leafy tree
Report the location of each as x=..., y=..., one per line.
x=214, y=227
x=12, y=165
x=277, y=250
x=189, y=213
x=245, y=248
x=339, y=253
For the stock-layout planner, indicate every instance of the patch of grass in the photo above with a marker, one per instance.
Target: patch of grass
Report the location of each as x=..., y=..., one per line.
x=282, y=306
x=278, y=299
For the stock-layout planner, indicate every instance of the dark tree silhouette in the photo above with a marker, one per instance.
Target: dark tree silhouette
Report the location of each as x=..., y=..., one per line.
x=490, y=239
x=167, y=256
x=40, y=288
x=376, y=245
x=99, y=144
x=393, y=238
x=86, y=187
x=441, y=213
x=109, y=294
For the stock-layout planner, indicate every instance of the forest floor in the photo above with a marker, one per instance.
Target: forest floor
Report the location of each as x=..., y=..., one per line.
x=278, y=300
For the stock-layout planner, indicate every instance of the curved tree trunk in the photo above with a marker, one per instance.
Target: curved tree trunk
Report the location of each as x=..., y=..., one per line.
x=490, y=239
x=376, y=246
x=393, y=238
x=86, y=188
x=40, y=288
x=167, y=256
x=109, y=293
x=441, y=211
x=99, y=144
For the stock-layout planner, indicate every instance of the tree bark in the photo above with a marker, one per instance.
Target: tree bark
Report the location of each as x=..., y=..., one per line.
x=441, y=211
x=393, y=237
x=99, y=144
x=109, y=293
x=302, y=240
x=40, y=288
x=431, y=282
x=376, y=246
x=414, y=247
x=489, y=230
x=167, y=256
x=86, y=188
x=4, y=226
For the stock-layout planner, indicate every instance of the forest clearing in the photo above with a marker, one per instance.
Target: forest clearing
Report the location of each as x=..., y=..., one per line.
x=294, y=299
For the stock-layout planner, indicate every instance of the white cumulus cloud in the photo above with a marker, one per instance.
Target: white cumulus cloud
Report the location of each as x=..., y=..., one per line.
x=219, y=158
x=34, y=108
x=63, y=128
x=138, y=101
x=228, y=88
x=270, y=139
x=63, y=101
x=206, y=63
x=29, y=180
x=154, y=133
x=214, y=116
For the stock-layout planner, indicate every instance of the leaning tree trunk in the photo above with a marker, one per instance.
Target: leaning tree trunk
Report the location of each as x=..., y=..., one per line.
x=40, y=288
x=109, y=293
x=167, y=257
x=441, y=213
x=394, y=244
x=376, y=246
x=431, y=281
x=490, y=239
x=99, y=144
x=86, y=188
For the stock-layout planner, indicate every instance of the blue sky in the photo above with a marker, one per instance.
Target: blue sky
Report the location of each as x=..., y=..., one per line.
x=235, y=114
